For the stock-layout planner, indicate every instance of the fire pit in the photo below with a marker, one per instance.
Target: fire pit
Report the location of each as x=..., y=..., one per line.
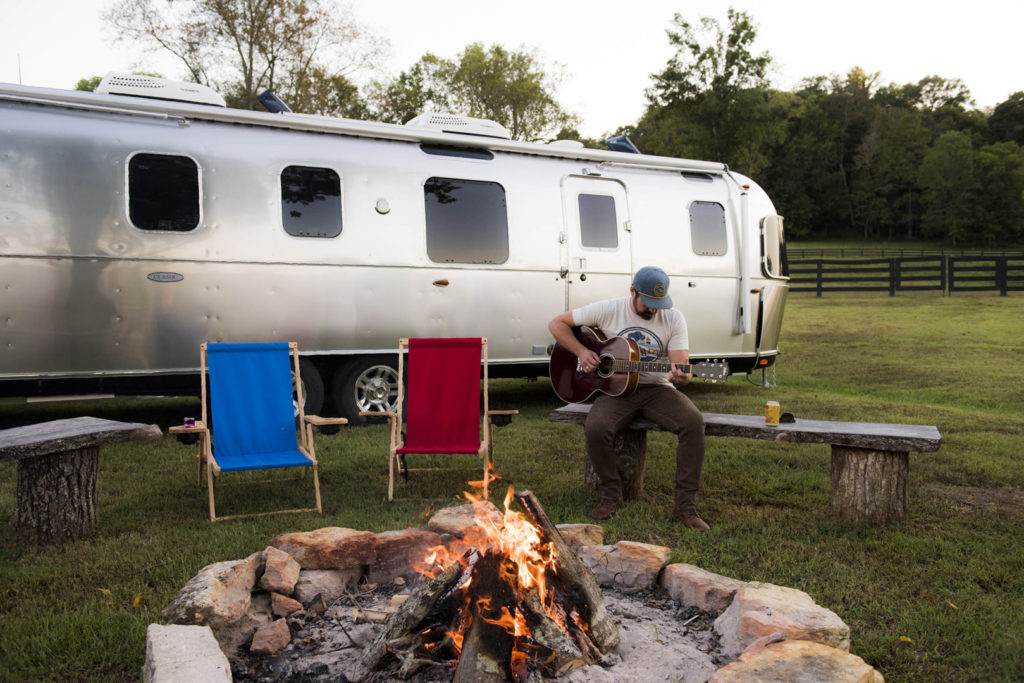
x=490, y=595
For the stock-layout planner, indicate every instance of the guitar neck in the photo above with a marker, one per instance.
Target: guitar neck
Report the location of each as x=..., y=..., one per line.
x=648, y=366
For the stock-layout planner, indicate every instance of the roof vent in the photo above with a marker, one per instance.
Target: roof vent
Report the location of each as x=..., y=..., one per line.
x=134, y=85
x=453, y=123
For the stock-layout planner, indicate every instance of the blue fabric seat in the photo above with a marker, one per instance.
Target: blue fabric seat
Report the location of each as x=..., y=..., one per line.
x=254, y=396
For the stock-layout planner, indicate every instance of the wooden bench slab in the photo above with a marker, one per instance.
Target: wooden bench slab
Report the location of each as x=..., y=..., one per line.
x=58, y=469
x=870, y=460
x=874, y=435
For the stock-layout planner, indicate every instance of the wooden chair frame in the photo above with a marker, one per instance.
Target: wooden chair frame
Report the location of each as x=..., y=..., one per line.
x=395, y=419
x=305, y=443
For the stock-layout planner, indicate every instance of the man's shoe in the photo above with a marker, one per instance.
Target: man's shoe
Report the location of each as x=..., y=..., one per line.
x=691, y=520
x=605, y=509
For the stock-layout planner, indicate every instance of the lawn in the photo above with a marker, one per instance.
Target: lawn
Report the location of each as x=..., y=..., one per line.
x=939, y=597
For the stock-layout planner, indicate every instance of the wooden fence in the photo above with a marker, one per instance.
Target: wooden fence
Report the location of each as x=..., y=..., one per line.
x=911, y=273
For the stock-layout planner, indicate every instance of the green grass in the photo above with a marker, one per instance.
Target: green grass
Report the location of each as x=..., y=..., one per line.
x=939, y=597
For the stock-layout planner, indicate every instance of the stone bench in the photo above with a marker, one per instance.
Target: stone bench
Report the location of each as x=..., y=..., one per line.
x=58, y=469
x=870, y=460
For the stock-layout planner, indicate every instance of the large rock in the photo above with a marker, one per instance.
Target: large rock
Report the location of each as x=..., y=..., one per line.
x=761, y=609
x=797, y=661
x=581, y=534
x=280, y=572
x=182, y=654
x=218, y=595
x=328, y=548
x=398, y=552
x=457, y=521
x=626, y=566
x=693, y=586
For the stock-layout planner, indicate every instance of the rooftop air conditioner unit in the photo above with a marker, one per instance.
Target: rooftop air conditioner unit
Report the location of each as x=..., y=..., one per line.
x=453, y=123
x=134, y=85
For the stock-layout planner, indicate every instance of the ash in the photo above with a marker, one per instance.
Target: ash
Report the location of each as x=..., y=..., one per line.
x=660, y=641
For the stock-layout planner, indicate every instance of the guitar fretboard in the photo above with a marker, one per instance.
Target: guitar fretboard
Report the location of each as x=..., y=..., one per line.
x=647, y=366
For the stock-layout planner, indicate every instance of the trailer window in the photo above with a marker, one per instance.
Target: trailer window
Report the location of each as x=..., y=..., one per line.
x=311, y=201
x=163, y=192
x=467, y=221
x=598, y=225
x=707, y=228
x=773, y=248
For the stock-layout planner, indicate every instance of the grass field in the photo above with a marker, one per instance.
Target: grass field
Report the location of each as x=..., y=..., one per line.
x=939, y=597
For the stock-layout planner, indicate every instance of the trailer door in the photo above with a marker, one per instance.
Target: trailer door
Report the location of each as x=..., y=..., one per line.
x=596, y=260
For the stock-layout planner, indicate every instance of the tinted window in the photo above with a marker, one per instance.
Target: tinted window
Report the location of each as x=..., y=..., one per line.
x=707, y=228
x=163, y=192
x=466, y=221
x=598, y=226
x=773, y=247
x=311, y=201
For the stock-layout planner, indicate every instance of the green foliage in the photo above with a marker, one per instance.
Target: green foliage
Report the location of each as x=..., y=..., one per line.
x=88, y=84
x=510, y=87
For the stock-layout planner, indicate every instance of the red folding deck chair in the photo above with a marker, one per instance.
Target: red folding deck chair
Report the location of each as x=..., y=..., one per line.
x=440, y=403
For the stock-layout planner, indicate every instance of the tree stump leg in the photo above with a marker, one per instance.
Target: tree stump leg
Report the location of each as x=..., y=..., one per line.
x=56, y=496
x=631, y=458
x=869, y=486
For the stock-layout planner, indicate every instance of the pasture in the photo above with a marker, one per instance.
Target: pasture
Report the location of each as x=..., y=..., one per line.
x=939, y=597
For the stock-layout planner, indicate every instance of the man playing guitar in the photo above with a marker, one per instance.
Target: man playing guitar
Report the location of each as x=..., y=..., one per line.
x=647, y=317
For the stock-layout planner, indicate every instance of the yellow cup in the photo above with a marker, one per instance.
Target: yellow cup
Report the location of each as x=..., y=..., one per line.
x=771, y=413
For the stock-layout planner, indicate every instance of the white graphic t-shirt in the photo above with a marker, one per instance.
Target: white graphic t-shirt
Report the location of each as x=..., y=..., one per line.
x=665, y=332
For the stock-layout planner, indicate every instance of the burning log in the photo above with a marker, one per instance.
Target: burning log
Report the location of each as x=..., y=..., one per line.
x=409, y=615
x=487, y=648
x=577, y=578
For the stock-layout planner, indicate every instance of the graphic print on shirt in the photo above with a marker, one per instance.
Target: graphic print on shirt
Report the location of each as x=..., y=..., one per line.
x=651, y=347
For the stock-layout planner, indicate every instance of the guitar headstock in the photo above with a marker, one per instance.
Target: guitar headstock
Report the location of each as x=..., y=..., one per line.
x=711, y=370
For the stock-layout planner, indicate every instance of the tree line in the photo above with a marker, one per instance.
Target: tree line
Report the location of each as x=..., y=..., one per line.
x=842, y=156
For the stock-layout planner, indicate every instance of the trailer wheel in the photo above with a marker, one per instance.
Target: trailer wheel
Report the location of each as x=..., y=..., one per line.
x=367, y=384
x=312, y=388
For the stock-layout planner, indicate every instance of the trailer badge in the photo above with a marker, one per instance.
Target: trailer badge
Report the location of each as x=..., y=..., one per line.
x=163, y=276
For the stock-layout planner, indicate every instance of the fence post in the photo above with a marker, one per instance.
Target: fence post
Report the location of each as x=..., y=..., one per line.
x=1001, y=279
x=944, y=264
x=819, y=279
x=893, y=276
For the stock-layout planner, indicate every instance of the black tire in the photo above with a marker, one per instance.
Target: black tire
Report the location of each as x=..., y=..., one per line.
x=312, y=388
x=366, y=384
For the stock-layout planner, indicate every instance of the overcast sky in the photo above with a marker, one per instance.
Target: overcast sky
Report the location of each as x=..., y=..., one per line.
x=607, y=50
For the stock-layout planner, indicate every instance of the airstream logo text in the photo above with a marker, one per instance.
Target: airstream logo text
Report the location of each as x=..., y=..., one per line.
x=165, y=277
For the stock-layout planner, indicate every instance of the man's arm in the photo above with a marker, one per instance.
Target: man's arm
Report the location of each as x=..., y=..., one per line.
x=677, y=376
x=561, y=329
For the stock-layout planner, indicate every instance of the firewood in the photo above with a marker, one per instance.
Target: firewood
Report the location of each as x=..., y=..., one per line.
x=575, y=576
x=487, y=646
x=566, y=654
x=409, y=614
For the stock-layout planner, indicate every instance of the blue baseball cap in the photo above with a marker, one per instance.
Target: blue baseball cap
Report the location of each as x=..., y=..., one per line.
x=651, y=283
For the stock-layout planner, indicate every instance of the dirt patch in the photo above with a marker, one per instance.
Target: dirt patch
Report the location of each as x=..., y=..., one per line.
x=1008, y=501
x=660, y=641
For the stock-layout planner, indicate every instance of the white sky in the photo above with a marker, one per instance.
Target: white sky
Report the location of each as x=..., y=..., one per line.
x=607, y=50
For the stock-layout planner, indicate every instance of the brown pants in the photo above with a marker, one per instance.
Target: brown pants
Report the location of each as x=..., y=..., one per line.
x=668, y=407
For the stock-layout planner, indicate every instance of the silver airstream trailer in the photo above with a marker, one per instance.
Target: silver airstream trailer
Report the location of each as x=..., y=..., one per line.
x=143, y=219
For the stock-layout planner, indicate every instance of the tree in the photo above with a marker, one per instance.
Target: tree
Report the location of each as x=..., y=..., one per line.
x=715, y=89
x=88, y=84
x=242, y=47
x=949, y=178
x=510, y=87
x=1007, y=120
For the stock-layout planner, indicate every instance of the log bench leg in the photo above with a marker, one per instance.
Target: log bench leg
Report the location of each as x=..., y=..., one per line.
x=631, y=458
x=868, y=485
x=56, y=496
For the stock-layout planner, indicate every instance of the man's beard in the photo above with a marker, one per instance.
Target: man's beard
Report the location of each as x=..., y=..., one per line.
x=646, y=315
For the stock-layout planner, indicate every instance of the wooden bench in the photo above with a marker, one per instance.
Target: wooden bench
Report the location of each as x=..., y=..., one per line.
x=58, y=469
x=870, y=461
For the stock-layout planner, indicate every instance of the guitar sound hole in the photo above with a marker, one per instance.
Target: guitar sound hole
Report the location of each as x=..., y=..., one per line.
x=606, y=366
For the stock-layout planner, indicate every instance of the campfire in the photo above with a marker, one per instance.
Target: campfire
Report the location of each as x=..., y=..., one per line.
x=510, y=599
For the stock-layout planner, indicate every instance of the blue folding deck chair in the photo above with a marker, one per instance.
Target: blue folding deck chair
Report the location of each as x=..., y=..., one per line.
x=254, y=389
x=439, y=402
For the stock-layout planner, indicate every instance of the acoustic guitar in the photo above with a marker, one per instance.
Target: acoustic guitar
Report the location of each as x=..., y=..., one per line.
x=620, y=368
